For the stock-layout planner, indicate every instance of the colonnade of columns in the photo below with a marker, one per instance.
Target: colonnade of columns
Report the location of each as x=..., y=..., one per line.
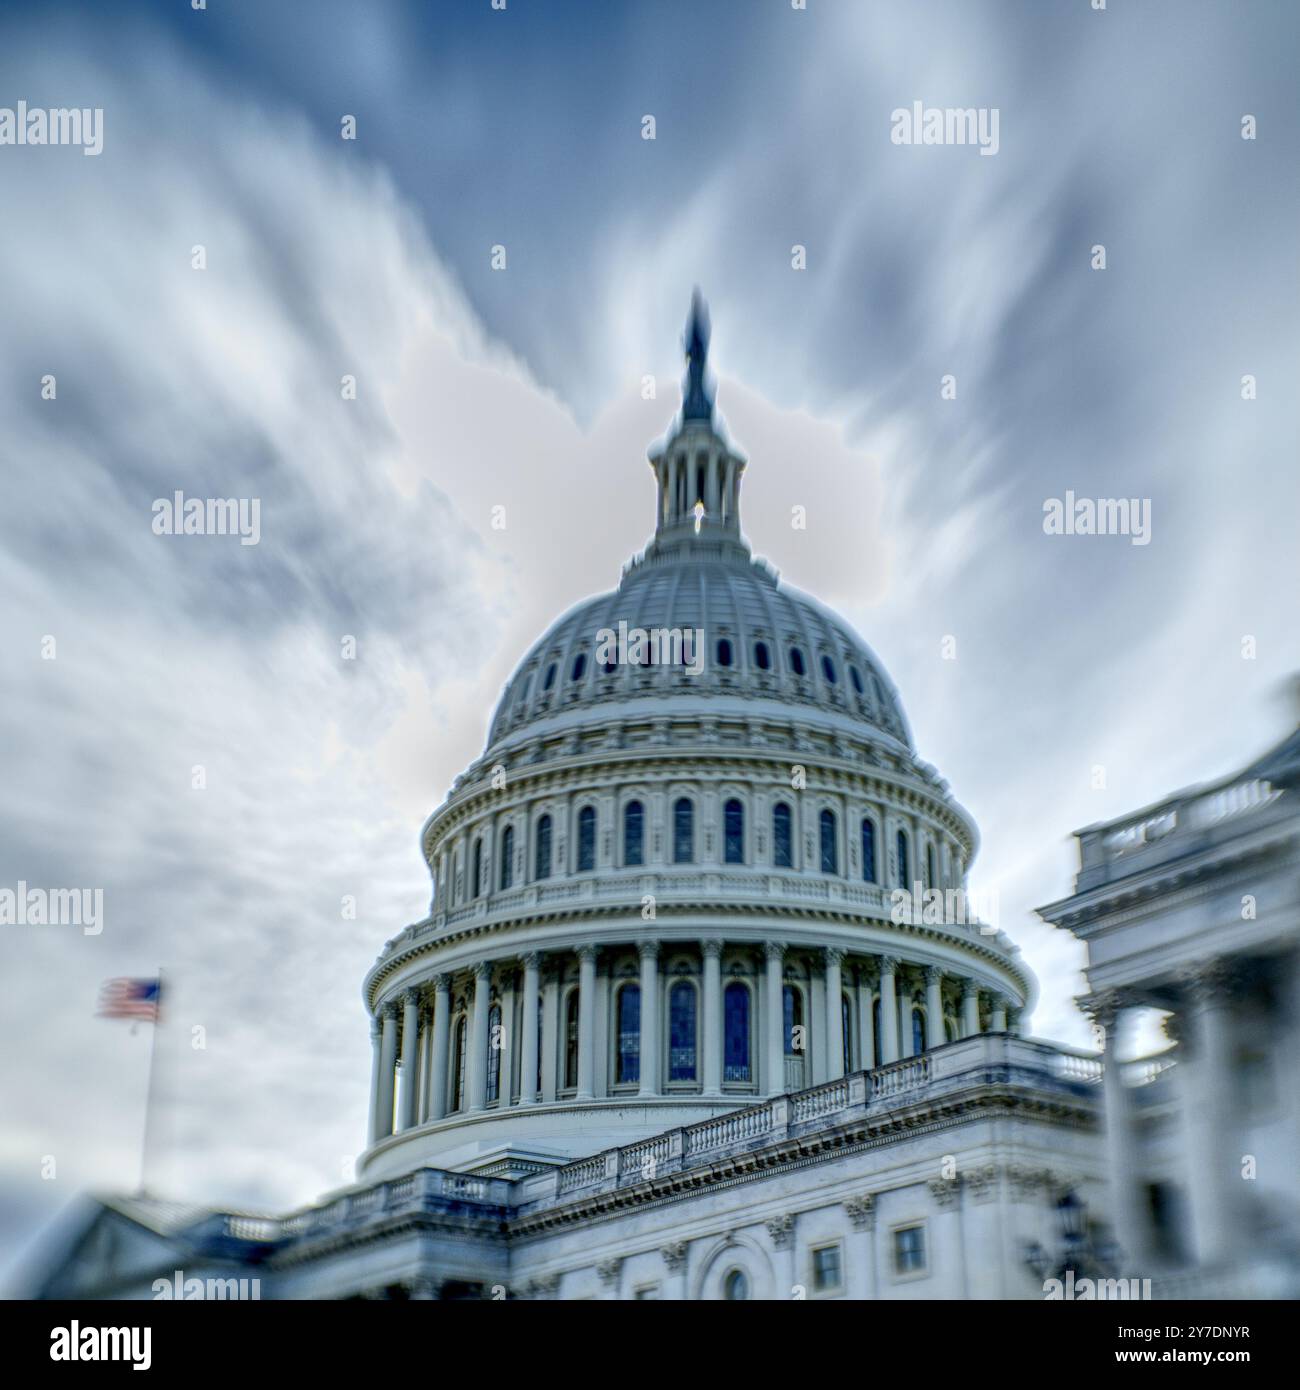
x=1202, y=1024
x=423, y=1089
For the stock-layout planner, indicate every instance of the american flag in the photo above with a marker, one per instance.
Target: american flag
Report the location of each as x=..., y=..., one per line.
x=127, y=998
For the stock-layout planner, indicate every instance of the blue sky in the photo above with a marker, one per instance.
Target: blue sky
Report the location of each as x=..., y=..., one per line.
x=522, y=387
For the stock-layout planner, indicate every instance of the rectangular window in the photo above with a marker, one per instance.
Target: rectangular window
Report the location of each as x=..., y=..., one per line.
x=909, y=1250
x=826, y=1268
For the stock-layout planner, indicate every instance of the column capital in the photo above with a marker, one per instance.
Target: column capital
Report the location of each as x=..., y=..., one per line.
x=1104, y=1007
x=1208, y=981
x=411, y=997
x=781, y=1229
x=933, y=974
x=648, y=950
x=834, y=955
x=482, y=971
x=888, y=964
x=442, y=984
x=861, y=1211
x=775, y=950
x=389, y=1008
x=532, y=960
x=587, y=954
x=712, y=949
x=675, y=1256
x=970, y=985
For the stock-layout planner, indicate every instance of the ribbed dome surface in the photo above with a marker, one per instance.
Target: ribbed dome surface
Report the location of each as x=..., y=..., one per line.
x=757, y=634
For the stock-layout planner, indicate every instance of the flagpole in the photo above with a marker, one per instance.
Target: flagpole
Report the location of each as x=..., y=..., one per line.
x=148, y=1095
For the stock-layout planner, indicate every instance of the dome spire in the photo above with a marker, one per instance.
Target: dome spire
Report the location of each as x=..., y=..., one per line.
x=697, y=404
x=697, y=468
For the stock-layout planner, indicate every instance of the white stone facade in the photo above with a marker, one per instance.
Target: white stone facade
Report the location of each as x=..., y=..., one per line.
x=1192, y=908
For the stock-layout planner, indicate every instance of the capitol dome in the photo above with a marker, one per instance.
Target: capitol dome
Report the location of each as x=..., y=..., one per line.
x=668, y=886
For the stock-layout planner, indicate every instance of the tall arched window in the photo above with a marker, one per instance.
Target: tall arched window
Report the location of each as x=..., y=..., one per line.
x=550, y=677
x=846, y=1026
x=458, y=1065
x=579, y=666
x=478, y=868
x=735, y=1287
x=735, y=1031
x=507, y=857
x=571, y=1039
x=762, y=657
x=794, y=1041
x=733, y=816
x=542, y=866
x=830, y=858
x=918, y=1032
x=586, y=839
x=782, y=840
x=868, y=851
x=902, y=859
x=796, y=661
x=879, y=1051
x=494, y=1054
x=627, y=1062
x=929, y=866
x=681, y=1032
x=633, y=834
x=724, y=652
x=829, y=671
x=856, y=679
x=683, y=831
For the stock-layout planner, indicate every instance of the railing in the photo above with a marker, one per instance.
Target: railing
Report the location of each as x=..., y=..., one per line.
x=899, y=1077
x=255, y=1228
x=1079, y=1066
x=728, y=1129
x=1196, y=810
x=664, y=883
x=821, y=1100
x=1142, y=1071
x=580, y=1174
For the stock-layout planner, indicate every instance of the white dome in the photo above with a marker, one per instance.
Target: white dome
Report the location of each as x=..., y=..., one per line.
x=665, y=864
x=756, y=634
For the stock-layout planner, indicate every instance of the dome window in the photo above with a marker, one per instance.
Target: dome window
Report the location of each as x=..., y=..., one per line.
x=856, y=677
x=762, y=657
x=633, y=835
x=828, y=670
x=830, y=856
x=542, y=849
x=735, y=1033
x=868, y=851
x=507, y=857
x=550, y=677
x=724, y=652
x=683, y=831
x=796, y=661
x=607, y=668
x=733, y=820
x=579, y=666
x=782, y=839
x=586, y=839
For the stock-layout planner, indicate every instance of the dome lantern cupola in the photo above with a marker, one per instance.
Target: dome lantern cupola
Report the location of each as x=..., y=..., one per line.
x=697, y=470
